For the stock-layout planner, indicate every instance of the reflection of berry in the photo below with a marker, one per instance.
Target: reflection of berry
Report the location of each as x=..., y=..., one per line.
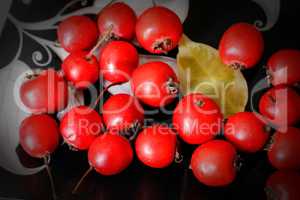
x=284, y=152
x=283, y=185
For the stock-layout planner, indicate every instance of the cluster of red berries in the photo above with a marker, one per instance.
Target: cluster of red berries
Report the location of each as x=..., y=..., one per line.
x=197, y=119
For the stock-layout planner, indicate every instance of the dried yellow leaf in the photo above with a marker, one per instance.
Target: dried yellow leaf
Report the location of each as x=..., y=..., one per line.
x=200, y=69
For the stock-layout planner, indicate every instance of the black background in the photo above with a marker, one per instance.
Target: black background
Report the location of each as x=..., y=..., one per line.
x=206, y=22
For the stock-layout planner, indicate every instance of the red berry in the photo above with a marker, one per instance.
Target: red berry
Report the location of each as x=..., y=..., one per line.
x=246, y=132
x=39, y=135
x=80, y=127
x=284, y=152
x=46, y=92
x=81, y=70
x=284, y=67
x=283, y=185
x=77, y=33
x=118, y=60
x=155, y=84
x=241, y=45
x=213, y=163
x=122, y=19
x=155, y=146
x=121, y=112
x=197, y=118
x=280, y=105
x=158, y=30
x=110, y=154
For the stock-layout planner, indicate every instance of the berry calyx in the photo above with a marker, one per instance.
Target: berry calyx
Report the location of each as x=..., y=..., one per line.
x=155, y=84
x=121, y=17
x=158, y=30
x=241, y=46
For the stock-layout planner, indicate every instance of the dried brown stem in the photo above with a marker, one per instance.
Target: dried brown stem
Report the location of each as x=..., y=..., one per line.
x=81, y=180
x=103, y=38
x=46, y=161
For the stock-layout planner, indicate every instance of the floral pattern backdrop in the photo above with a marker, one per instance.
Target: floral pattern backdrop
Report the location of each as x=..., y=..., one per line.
x=28, y=40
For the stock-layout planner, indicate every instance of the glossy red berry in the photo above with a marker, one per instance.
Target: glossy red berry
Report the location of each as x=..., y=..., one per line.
x=81, y=70
x=284, y=67
x=158, y=30
x=283, y=185
x=241, y=46
x=77, y=33
x=121, y=17
x=280, y=105
x=155, y=146
x=197, y=118
x=155, y=84
x=39, y=135
x=80, y=127
x=44, y=93
x=284, y=152
x=122, y=112
x=110, y=154
x=118, y=60
x=246, y=132
x=213, y=163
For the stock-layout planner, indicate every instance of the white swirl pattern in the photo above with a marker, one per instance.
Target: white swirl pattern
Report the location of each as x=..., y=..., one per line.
x=272, y=10
x=11, y=114
x=9, y=122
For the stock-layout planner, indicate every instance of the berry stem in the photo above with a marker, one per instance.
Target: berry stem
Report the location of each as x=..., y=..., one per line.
x=173, y=87
x=154, y=3
x=81, y=180
x=269, y=77
x=162, y=45
x=238, y=162
x=46, y=161
x=100, y=96
x=267, y=129
x=273, y=100
x=237, y=66
x=184, y=184
x=178, y=157
x=178, y=154
x=100, y=41
x=199, y=103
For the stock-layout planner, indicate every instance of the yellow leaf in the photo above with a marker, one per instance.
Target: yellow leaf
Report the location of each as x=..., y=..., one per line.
x=200, y=69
